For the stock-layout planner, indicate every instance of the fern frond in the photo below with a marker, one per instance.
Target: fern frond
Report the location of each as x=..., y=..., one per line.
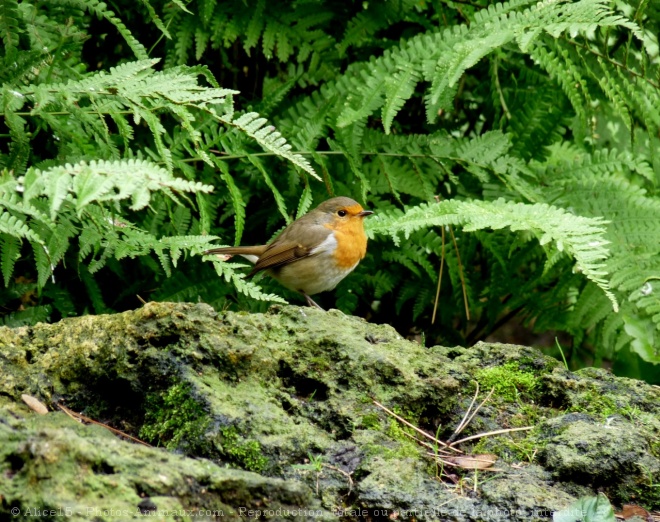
x=375, y=17
x=270, y=139
x=255, y=26
x=156, y=19
x=13, y=226
x=134, y=87
x=9, y=26
x=10, y=250
x=29, y=316
x=94, y=291
x=279, y=200
x=569, y=166
x=582, y=238
x=305, y=201
x=100, y=9
x=228, y=271
x=100, y=181
x=180, y=244
x=364, y=94
x=398, y=88
x=237, y=201
x=19, y=152
x=566, y=72
x=442, y=58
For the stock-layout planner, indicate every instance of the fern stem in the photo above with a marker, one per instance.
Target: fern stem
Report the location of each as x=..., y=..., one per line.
x=460, y=273
x=442, y=266
x=67, y=113
x=614, y=62
x=505, y=108
x=341, y=153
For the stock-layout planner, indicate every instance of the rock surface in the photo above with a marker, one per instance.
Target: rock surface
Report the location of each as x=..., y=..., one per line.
x=273, y=416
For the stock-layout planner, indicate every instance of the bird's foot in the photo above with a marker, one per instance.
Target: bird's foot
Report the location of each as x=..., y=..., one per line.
x=311, y=302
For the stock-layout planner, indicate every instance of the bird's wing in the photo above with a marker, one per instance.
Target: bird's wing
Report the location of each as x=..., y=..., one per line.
x=296, y=242
x=280, y=254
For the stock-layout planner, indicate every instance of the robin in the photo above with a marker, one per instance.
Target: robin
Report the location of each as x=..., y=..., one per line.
x=315, y=252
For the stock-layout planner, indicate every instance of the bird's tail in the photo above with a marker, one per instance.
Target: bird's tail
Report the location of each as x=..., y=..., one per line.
x=239, y=250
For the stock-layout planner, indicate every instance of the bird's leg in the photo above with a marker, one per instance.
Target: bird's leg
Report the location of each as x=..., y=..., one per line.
x=311, y=302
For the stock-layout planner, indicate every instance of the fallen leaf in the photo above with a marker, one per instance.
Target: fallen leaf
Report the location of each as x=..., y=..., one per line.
x=483, y=461
x=34, y=404
x=630, y=510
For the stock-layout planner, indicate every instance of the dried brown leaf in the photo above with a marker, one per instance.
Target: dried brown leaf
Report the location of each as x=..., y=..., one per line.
x=482, y=461
x=34, y=404
x=630, y=510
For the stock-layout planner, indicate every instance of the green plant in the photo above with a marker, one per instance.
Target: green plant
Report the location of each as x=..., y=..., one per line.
x=315, y=464
x=507, y=149
x=589, y=509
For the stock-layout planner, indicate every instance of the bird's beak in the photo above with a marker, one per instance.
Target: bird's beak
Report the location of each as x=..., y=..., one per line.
x=365, y=213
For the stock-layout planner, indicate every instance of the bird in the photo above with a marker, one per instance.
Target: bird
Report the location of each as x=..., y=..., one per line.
x=313, y=253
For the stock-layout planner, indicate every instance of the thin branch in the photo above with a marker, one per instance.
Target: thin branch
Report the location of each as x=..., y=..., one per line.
x=421, y=432
x=437, y=291
x=345, y=473
x=491, y=433
x=433, y=157
x=477, y=409
x=81, y=418
x=435, y=450
x=462, y=424
x=460, y=274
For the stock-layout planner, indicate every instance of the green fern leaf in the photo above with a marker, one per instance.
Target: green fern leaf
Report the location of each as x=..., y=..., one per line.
x=398, y=88
x=255, y=26
x=237, y=201
x=16, y=227
x=305, y=201
x=279, y=200
x=180, y=244
x=94, y=291
x=228, y=272
x=582, y=238
x=271, y=140
x=101, y=10
x=10, y=250
x=29, y=316
x=9, y=26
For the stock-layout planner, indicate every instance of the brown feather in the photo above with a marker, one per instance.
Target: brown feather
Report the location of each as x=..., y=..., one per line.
x=279, y=253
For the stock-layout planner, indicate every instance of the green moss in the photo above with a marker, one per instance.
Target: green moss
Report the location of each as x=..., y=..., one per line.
x=509, y=381
x=645, y=493
x=371, y=421
x=595, y=403
x=246, y=453
x=406, y=446
x=512, y=449
x=173, y=417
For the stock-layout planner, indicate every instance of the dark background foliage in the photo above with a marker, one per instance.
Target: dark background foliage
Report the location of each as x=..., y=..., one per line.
x=395, y=103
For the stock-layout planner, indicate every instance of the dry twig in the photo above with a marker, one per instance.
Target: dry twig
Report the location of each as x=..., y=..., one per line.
x=81, y=418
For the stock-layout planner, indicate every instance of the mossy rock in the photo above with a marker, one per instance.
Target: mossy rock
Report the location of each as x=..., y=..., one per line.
x=276, y=411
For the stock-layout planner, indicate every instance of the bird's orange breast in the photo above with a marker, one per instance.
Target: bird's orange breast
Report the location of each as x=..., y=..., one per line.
x=351, y=240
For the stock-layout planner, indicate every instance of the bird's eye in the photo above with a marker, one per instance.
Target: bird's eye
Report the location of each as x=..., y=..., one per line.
x=341, y=213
